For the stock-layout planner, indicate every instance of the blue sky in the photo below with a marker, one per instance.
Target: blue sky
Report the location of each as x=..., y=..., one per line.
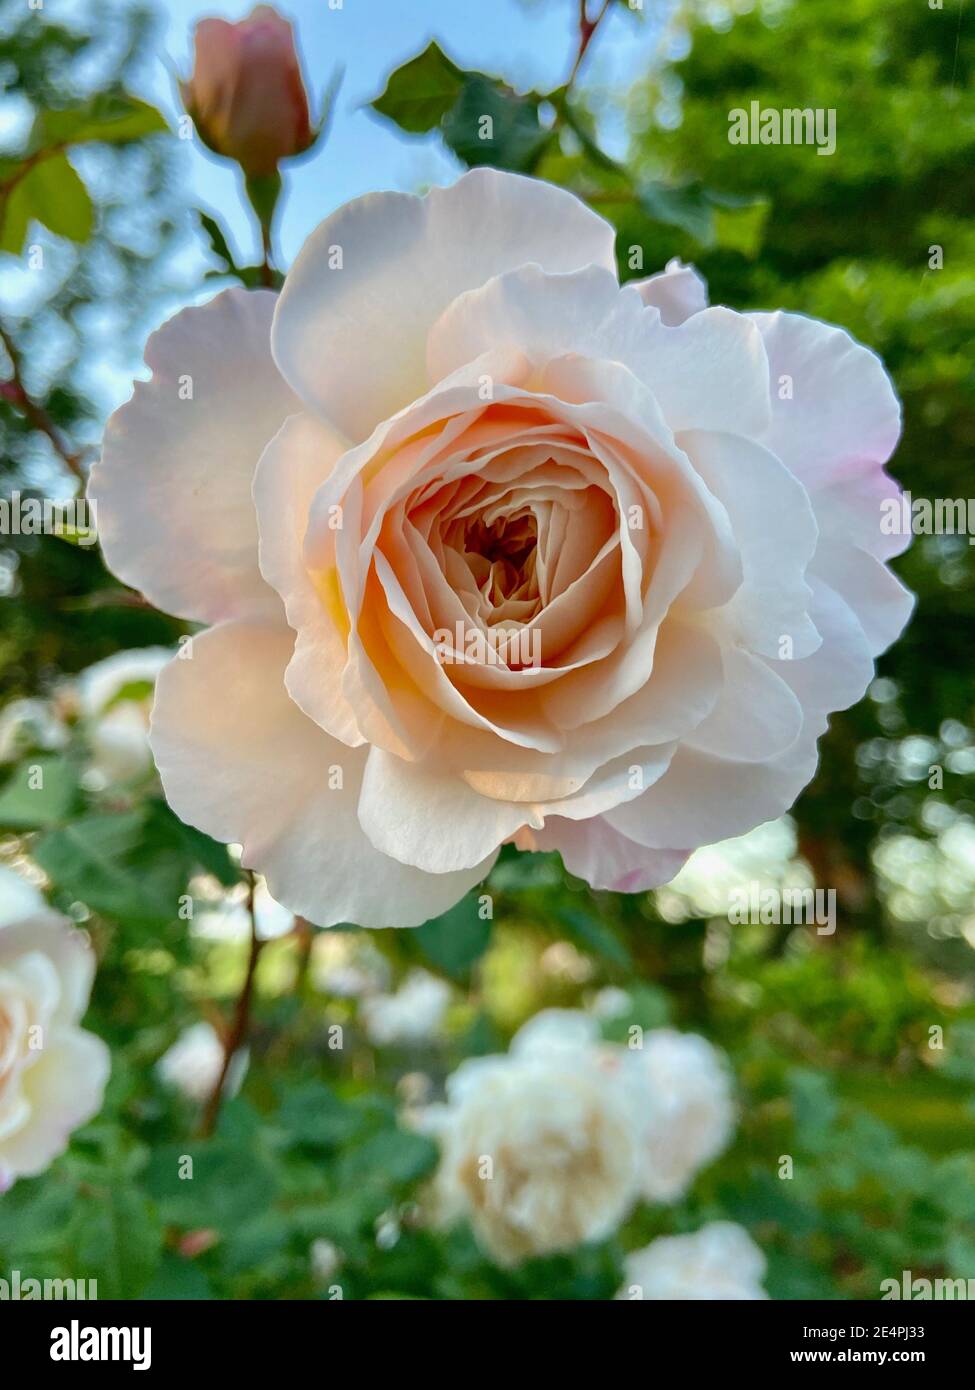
x=529, y=42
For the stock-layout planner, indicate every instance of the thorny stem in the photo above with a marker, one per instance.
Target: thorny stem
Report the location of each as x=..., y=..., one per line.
x=587, y=28
x=16, y=393
x=237, y=1032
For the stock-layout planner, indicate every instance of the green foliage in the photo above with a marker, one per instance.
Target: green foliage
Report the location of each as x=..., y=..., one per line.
x=43, y=185
x=422, y=92
x=480, y=118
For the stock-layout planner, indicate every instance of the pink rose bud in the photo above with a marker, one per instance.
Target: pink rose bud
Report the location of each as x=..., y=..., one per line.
x=246, y=95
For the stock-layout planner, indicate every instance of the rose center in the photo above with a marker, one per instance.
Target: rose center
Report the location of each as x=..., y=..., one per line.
x=504, y=552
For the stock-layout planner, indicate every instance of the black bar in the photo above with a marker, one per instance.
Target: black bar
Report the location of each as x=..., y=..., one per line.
x=251, y=1337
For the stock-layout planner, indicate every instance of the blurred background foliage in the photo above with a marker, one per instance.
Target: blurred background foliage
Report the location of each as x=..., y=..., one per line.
x=854, y=1053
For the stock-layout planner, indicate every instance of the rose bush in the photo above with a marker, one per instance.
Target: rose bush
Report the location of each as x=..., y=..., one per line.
x=452, y=424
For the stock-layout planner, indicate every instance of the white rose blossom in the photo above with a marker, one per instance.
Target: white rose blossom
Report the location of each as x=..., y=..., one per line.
x=413, y=1014
x=650, y=530
x=682, y=1095
x=52, y=1071
x=553, y=1143
x=720, y=1262
x=538, y=1153
x=115, y=705
x=192, y=1065
x=678, y=1087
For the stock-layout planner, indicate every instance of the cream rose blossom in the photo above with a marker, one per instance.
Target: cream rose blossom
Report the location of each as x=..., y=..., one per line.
x=683, y=1101
x=493, y=549
x=52, y=1072
x=678, y=1091
x=538, y=1152
x=114, y=701
x=554, y=1142
x=720, y=1263
x=193, y=1064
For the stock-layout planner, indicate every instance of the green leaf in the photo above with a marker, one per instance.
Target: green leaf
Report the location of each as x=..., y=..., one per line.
x=686, y=207
x=586, y=930
x=454, y=941
x=88, y=860
x=209, y=854
x=49, y=192
x=40, y=793
x=419, y=94
x=111, y=117
x=391, y=1158
x=132, y=866
x=489, y=124
x=117, y=1240
x=227, y=1184
x=649, y=1008
x=590, y=147
x=741, y=228
x=329, y=99
x=178, y=1278
x=218, y=241
x=313, y=1114
x=814, y=1105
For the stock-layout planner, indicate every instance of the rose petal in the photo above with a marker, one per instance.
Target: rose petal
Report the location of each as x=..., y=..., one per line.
x=173, y=485
x=605, y=858
x=351, y=340
x=843, y=410
x=678, y=292
x=221, y=759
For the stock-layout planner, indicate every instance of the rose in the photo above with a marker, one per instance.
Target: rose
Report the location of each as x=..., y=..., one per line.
x=414, y=1014
x=193, y=1064
x=682, y=1097
x=678, y=1090
x=677, y=1086
x=52, y=1073
x=576, y=1131
x=114, y=700
x=719, y=1262
x=245, y=95
x=539, y=1153
x=466, y=419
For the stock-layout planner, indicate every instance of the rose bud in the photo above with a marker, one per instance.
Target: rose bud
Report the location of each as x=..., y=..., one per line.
x=246, y=94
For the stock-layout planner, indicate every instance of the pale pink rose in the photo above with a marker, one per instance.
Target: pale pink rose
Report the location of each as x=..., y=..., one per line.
x=245, y=95
x=454, y=420
x=52, y=1072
